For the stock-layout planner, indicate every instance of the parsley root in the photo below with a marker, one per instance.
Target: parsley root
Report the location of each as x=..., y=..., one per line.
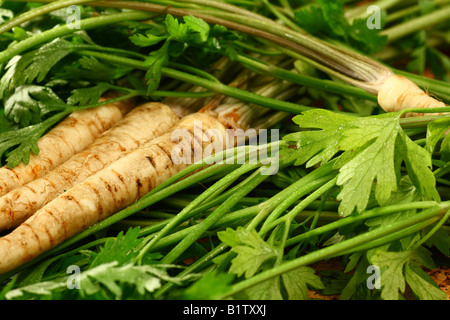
x=118, y=185
x=69, y=137
x=141, y=124
x=399, y=93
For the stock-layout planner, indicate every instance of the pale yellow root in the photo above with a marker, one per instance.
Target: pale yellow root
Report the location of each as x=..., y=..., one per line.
x=107, y=191
x=399, y=93
x=141, y=124
x=69, y=137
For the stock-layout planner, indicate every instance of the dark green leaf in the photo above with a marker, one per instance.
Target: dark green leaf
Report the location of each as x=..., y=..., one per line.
x=34, y=65
x=29, y=103
x=210, y=286
x=155, y=62
x=86, y=96
x=120, y=250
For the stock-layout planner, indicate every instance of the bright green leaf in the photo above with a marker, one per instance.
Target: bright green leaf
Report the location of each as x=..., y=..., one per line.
x=296, y=282
x=252, y=251
x=422, y=285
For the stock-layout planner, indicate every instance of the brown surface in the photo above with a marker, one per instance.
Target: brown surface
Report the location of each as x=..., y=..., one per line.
x=442, y=277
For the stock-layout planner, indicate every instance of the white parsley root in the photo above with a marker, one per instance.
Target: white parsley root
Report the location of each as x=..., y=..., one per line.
x=399, y=93
x=109, y=190
x=69, y=137
x=141, y=124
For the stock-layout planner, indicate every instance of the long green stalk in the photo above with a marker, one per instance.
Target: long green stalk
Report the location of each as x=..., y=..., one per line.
x=215, y=86
x=64, y=30
x=39, y=11
x=413, y=25
x=377, y=212
x=185, y=213
x=429, y=215
x=247, y=186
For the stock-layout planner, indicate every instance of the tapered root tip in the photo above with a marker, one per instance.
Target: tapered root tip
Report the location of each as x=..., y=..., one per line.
x=399, y=93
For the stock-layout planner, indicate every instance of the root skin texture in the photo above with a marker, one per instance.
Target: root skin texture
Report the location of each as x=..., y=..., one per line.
x=109, y=190
x=399, y=93
x=69, y=137
x=141, y=124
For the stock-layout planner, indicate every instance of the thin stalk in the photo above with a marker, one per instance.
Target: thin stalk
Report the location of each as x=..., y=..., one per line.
x=354, y=65
x=204, y=260
x=432, y=231
x=300, y=188
x=284, y=19
x=300, y=79
x=186, y=212
x=403, y=29
x=303, y=204
x=409, y=11
x=39, y=11
x=377, y=212
x=337, y=249
x=314, y=186
x=247, y=186
x=64, y=30
x=360, y=12
x=391, y=238
x=215, y=86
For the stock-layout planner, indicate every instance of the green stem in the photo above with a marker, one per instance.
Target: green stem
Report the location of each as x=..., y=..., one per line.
x=205, y=259
x=215, y=86
x=297, y=190
x=360, y=12
x=420, y=23
x=336, y=249
x=433, y=230
x=39, y=11
x=312, y=82
x=64, y=30
x=377, y=212
x=390, y=238
x=247, y=186
x=306, y=202
x=186, y=213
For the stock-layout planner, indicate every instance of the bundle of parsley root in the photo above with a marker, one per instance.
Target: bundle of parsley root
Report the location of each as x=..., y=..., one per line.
x=100, y=99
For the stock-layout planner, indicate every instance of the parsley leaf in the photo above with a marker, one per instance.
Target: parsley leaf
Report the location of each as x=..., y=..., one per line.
x=375, y=162
x=24, y=142
x=90, y=95
x=30, y=103
x=146, y=40
x=392, y=266
x=208, y=287
x=155, y=62
x=317, y=146
x=296, y=282
x=422, y=285
x=368, y=150
x=328, y=18
x=252, y=251
x=119, y=249
x=34, y=65
x=194, y=30
x=265, y=290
